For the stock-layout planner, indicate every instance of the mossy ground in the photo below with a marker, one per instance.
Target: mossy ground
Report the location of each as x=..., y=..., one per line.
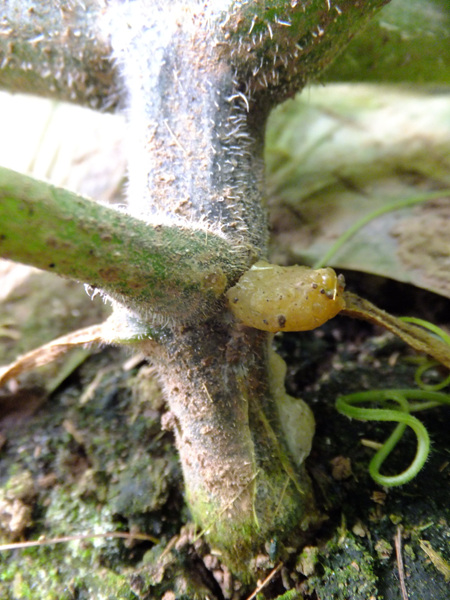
x=106, y=465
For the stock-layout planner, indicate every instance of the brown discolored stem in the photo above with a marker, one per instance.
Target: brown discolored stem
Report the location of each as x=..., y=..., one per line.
x=416, y=337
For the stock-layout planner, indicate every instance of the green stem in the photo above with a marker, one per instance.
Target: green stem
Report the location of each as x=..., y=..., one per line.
x=149, y=268
x=429, y=364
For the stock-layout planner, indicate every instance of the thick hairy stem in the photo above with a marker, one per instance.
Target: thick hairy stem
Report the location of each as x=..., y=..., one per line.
x=200, y=78
x=240, y=482
x=199, y=87
x=165, y=270
x=193, y=159
x=276, y=47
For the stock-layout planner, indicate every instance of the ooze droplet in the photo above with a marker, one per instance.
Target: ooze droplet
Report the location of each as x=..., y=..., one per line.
x=274, y=298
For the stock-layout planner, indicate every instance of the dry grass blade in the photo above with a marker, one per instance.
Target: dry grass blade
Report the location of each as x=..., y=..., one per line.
x=441, y=565
x=72, y=538
x=49, y=352
x=401, y=569
x=267, y=580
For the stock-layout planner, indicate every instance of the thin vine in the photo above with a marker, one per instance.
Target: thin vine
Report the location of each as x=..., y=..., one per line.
x=425, y=364
x=396, y=405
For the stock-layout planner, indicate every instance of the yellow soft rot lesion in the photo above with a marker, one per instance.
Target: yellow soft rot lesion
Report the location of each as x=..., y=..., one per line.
x=274, y=298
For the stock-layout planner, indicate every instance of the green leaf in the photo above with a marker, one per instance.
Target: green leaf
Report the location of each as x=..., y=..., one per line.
x=407, y=41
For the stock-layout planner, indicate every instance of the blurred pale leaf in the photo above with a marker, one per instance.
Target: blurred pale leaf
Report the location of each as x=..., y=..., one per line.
x=336, y=154
x=70, y=146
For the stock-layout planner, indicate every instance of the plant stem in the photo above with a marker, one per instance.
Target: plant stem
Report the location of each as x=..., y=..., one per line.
x=197, y=113
x=57, y=50
x=201, y=77
x=416, y=337
x=239, y=479
x=149, y=268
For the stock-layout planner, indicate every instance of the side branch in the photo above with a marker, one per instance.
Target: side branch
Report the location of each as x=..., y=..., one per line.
x=416, y=337
x=57, y=50
x=169, y=271
x=277, y=47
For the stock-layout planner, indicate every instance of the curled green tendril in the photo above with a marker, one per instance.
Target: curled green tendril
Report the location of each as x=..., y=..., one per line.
x=424, y=399
x=426, y=365
x=420, y=372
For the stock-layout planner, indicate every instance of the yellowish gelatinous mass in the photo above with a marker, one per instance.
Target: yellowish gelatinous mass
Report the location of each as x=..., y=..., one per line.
x=274, y=298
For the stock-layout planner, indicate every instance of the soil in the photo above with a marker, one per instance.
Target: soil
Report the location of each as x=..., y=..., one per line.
x=77, y=463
